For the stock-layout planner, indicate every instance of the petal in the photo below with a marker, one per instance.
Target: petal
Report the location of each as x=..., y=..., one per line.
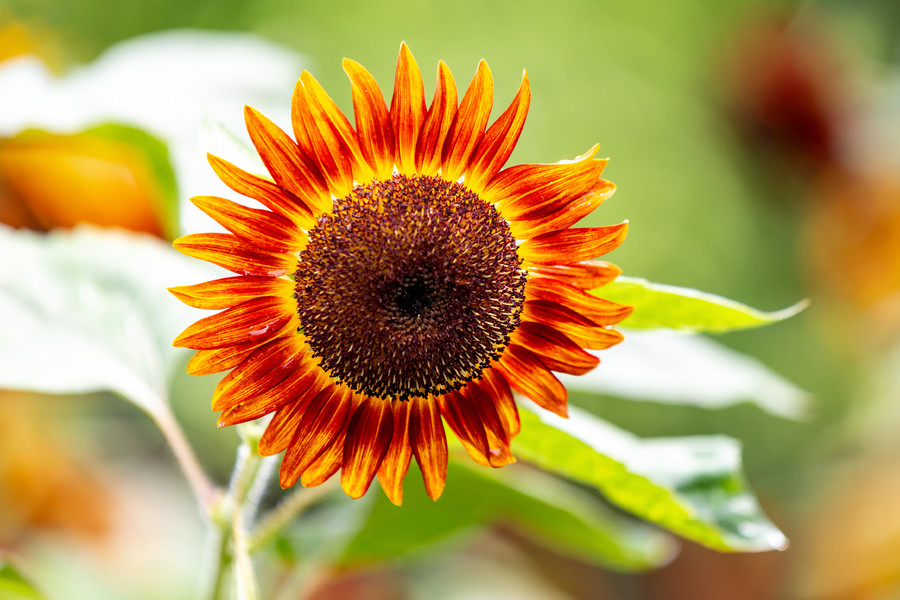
x=284, y=424
x=468, y=126
x=231, y=291
x=486, y=412
x=494, y=385
x=463, y=419
x=322, y=421
x=396, y=462
x=373, y=124
x=263, y=371
x=598, y=310
x=407, y=110
x=327, y=463
x=262, y=228
x=214, y=360
x=266, y=192
x=523, y=188
x=429, y=444
x=437, y=123
x=576, y=327
x=572, y=245
x=368, y=439
x=236, y=255
x=556, y=351
x=498, y=143
x=252, y=321
x=291, y=168
x=587, y=275
x=527, y=375
x=556, y=217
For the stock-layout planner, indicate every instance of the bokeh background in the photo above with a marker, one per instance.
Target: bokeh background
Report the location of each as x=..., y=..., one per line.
x=756, y=150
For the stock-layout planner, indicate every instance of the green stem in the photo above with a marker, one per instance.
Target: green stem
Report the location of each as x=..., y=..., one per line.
x=280, y=516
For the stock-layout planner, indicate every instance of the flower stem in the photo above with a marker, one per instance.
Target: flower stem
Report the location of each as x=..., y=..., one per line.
x=206, y=493
x=279, y=517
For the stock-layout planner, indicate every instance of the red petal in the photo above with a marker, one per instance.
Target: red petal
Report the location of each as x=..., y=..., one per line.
x=479, y=399
x=368, y=439
x=468, y=126
x=588, y=275
x=598, y=310
x=495, y=386
x=247, y=323
x=437, y=123
x=373, y=125
x=396, y=462
x=527, y=375
x=572, y=245
x=322, y=420
x=299, y=386
x=262, y=228
x=557, y=217
x=327, y=464
x=266, y=192
x=557, y=351
x=230, y=291
x=407, y=110
x=429, y=444
x=289, y=166
x=574, y=326
x=236, y=255
x=214, y=360
x=463, y=419
x=498, y=143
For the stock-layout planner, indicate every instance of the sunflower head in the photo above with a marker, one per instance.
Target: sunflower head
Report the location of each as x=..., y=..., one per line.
x=397, y=280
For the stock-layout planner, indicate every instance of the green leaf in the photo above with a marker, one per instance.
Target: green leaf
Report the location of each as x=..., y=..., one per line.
x=689, y=369
x=88, y=310
x=551, y=511
x=14, y=586
x=658, y=305
x=691, y=486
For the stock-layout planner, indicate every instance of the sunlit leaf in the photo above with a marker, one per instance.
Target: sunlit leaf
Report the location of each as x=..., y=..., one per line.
x=14, y=586
x=88, y=310
x=555, y=513
x=689, y=369
x=672, y=307
x=692, y=486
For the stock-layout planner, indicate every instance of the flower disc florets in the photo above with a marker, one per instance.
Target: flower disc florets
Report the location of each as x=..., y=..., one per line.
x=410, y=287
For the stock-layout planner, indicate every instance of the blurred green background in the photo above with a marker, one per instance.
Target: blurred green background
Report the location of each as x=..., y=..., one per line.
x=739, y=134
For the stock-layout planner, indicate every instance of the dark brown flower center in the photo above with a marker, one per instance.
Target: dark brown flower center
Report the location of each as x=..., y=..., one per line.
x=410, y=287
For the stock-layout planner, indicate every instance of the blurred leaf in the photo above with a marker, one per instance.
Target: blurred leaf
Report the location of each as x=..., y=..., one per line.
x=551, y=511
x=689, y=369
x=659, y=305
x=88, y=310
x=13, y=586
x=692, y=486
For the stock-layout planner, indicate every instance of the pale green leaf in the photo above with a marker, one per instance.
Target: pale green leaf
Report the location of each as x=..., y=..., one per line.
x=692, y=486
x=658, y=305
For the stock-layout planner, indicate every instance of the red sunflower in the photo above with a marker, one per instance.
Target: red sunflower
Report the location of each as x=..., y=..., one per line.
x=399, y=279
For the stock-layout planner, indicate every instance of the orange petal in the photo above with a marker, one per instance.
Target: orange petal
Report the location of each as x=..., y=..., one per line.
x=262, y=228
x=588, y=275
x=327, y=464
x=498, y=143
x=407, y=110
x=230, y=291
x=572, y=245
x=236, y=255
x=322, y=421
x=368, y=439
x=437, y=123
x=556, y=217
x=252, y=321
x=266, y=192
x=557, y=351
x=284, y=424
x=373, y=124
x=328, y=156
x=463, y=419
x=214, y=360
x=429, y=443
x=469, y=124
x=495, y=386
x=298, y=387
x=263, y=371
x=598, y=310
x=396, y=462
x=523, y=188
x=527, y=375
x=576, y=327
x=289, y=166
x=485, y=411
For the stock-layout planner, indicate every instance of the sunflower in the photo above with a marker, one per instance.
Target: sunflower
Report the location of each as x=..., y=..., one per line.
x=398, y=279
